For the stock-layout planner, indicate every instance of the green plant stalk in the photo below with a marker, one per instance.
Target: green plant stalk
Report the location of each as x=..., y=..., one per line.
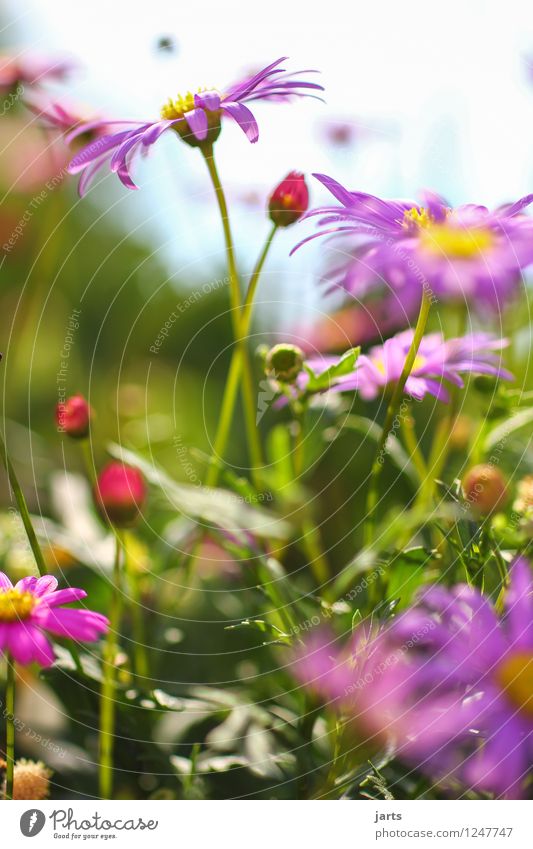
x=10, y=726
x=23, y=509
x=140, y=659
x=88, y=461
x=310, y=539
x=408, y=431
x=249, y=400
x=392, y=409
x=107, y=696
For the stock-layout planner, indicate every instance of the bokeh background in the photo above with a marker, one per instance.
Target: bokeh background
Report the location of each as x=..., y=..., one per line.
x=417, y=96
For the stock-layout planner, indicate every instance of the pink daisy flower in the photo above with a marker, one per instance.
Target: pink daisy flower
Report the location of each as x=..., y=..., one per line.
x=35, y=606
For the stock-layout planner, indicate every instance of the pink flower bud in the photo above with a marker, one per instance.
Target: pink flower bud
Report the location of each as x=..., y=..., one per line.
x=73, y=416
x=289, y=200
x=120, y=493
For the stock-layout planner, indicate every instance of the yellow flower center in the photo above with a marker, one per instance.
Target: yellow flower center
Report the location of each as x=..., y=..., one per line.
x=460, y=242
x=176, y=108
x=418, y=363
x=418, y=217
x=15, y=605
x=447, y=237
x=515, y=675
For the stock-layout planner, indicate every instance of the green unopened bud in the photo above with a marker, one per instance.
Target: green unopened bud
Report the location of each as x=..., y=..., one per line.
x=284, y=362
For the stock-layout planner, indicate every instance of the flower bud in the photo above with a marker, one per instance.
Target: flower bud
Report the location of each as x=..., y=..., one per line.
x=284, y=362
x=73, y=416
x=120, y=493
x=289, y=200
x=485, y=488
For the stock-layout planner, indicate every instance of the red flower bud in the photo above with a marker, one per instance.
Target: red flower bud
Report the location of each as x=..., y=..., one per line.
x=120, y=493
x=289, y=200
x=73, y=416
x=485, y=488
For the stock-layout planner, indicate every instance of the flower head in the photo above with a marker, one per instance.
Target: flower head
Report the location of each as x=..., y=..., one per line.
x=67, y=118
x=449, y=682
x=30, y=69
x=31, y=780
x=120, y=493
x=196, y=117
x=73, y=416
x=437, y=361
x=35, y=606
x=289, y=200
x=467, y=252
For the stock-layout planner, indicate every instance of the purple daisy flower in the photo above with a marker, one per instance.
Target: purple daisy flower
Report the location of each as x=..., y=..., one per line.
x=468, y=252
x=195, y=117
x=35, y=605
x=437, y=361
x=449, y=682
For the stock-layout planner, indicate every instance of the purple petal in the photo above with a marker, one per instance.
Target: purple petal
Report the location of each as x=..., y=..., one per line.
x=198, y=123
x=519, y=605
x=5, y=583
x=245, y=119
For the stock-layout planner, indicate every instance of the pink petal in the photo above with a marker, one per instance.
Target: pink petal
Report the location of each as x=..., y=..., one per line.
x=5, y=583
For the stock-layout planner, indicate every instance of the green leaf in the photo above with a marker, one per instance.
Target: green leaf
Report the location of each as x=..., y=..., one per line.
x=408, y=571
x=216, y=507
x=508, y=426
x=323, y=381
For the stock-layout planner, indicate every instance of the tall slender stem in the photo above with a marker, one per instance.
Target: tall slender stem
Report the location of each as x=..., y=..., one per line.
x=107, y=698
x=140, y=659
x=392, y=410
x=249, y=400
x=10, y=726
x=23, y=509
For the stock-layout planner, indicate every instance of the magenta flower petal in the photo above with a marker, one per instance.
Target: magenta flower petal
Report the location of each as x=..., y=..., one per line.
x=53, y=599
x=34, y=606
x=75, y=624
x=5, y=583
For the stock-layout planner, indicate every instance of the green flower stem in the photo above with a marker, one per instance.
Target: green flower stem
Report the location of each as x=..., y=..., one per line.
x=10, y=726
x=23, y=509
x=140, y=659
x=107, y=697
x=409, y=436
x=88, y=460
x=392, y=410
x=310, y=539
x=236, y=367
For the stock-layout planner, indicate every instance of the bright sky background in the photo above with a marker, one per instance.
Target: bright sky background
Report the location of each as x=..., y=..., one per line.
x=441, y=88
